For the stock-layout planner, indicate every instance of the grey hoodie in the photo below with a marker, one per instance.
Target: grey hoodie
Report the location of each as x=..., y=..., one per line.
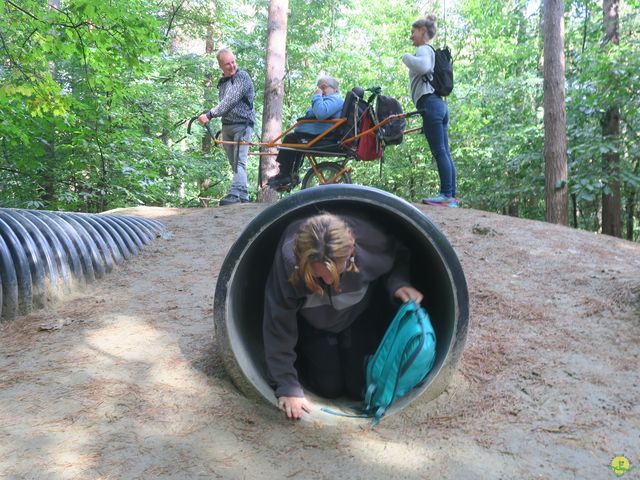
x=420, y=64
x=377, y=254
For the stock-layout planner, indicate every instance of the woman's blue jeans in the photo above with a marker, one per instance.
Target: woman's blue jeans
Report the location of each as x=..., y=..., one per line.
x=435, y=124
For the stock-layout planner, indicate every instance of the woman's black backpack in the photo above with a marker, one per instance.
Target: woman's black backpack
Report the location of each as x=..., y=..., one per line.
x=391, y=133
x=442, y=81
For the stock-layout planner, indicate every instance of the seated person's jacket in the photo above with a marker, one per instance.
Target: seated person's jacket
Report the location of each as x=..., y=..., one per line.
x=322, y=108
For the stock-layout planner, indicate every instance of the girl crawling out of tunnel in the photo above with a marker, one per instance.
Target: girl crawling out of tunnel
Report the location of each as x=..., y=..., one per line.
x=329, y=297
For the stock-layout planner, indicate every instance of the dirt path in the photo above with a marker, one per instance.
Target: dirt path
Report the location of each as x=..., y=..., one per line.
x=130, y=385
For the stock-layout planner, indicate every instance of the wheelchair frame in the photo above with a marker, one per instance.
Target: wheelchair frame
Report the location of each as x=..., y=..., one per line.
x=322, y=172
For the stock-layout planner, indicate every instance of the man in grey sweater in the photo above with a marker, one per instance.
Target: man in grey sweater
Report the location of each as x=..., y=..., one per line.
x=235, y=107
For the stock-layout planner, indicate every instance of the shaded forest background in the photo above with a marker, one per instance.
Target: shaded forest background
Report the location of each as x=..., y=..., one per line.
x=95, y=96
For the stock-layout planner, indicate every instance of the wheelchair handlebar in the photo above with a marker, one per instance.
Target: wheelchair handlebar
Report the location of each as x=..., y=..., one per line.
x=206, y=126
x=191, y=122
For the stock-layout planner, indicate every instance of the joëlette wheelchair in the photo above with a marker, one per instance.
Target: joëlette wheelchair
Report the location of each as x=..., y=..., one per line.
x=364, y=129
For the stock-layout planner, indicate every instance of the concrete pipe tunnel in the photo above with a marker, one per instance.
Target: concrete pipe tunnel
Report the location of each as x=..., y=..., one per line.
x=239, y=293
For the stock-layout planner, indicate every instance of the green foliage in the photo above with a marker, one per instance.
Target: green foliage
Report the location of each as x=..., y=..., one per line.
x=95, y=96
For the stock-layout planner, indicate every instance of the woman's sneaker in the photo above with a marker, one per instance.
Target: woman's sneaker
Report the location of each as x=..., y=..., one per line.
x=441, y=201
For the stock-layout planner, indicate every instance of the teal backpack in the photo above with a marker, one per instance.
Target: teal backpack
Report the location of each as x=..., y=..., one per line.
x=402, y=361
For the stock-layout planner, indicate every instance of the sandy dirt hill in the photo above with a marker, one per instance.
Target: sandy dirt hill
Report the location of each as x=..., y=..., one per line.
x=129, y=383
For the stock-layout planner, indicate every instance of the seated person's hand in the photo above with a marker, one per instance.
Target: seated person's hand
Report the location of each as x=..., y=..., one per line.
x=293, y=406
x=408, y=293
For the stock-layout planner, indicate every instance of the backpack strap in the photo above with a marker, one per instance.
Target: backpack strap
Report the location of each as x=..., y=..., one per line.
x=349, y=415
x=425, y=78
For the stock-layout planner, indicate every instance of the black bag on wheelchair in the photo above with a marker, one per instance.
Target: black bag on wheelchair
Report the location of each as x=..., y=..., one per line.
x=392, y=132
x=352, y=110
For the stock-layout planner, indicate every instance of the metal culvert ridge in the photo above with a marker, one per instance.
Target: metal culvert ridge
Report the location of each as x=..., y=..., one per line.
x=45, y=254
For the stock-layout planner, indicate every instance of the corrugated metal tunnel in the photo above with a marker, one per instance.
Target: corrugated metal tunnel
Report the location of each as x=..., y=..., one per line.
x=239, y=294
x=44, y=254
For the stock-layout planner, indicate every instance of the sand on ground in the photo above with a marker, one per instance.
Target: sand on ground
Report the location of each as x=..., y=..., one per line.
x=123, y=380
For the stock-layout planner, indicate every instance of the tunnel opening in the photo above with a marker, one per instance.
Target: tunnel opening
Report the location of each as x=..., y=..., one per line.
x=239, y=296
x=44, y=254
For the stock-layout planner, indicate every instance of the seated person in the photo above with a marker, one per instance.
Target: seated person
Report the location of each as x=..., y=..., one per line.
x=326, y=103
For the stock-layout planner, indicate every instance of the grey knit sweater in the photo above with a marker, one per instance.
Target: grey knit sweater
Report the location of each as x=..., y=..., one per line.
x=235, y=95
x=377, y=254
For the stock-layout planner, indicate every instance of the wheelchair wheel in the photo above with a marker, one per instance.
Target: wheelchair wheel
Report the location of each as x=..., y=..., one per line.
x=328, y=172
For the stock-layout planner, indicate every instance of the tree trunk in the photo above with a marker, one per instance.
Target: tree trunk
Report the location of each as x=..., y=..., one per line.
x=611, y=200
x=555, y=135
x=631, y=207
x=48, y=180
x=273, y=93
x=513, y=207
x=209, y=48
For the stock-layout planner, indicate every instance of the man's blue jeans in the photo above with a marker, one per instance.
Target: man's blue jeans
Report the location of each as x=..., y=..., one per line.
x=435, y=124
x=237, y=156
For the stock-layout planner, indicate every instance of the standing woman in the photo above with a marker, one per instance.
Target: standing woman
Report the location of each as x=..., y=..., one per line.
x=434, y=110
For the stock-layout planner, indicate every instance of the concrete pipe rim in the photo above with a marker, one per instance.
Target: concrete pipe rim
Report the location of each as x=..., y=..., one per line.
x=242, y=354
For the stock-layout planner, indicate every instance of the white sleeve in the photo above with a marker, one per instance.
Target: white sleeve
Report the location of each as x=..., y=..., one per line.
x=422, y=62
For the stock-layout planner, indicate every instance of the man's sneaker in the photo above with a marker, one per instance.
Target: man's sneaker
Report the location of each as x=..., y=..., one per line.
x=230, y=199
x=441, y=201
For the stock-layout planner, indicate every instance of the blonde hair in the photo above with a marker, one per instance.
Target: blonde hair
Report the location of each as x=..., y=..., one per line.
x=323, y=238
x=429, y=24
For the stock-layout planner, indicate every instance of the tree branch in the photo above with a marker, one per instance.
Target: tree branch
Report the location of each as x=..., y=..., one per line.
x=174, y=14
x=11, y=59
x=24, y=11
